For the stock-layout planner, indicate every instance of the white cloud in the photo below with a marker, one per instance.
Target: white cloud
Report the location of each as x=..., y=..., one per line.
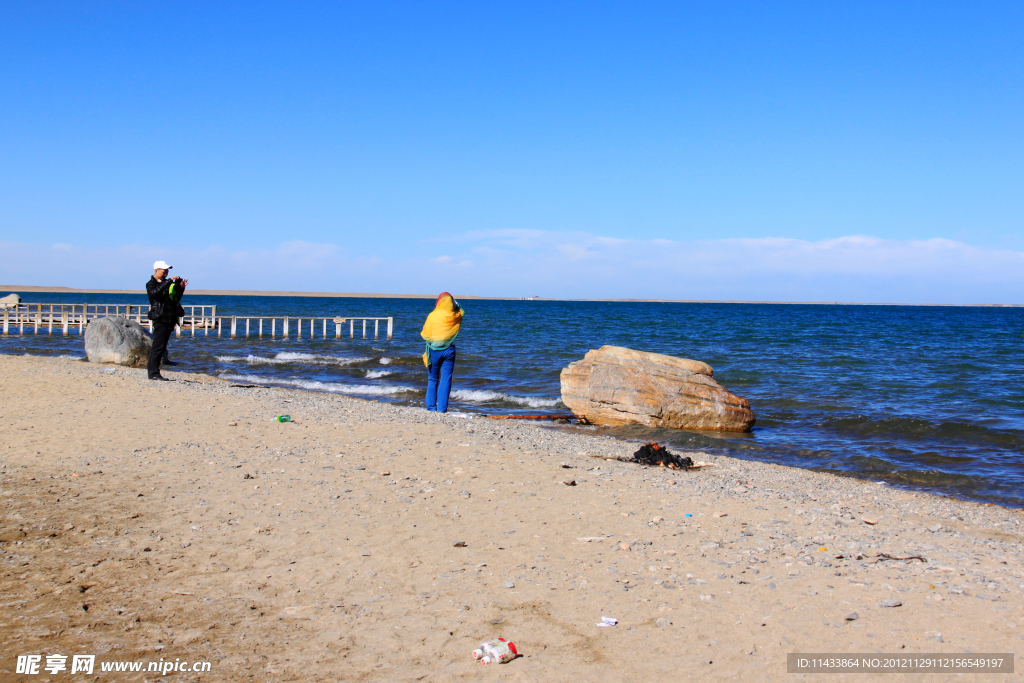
x=566, y=264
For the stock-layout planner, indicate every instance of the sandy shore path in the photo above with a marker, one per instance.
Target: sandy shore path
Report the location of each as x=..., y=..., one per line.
x=143, y=521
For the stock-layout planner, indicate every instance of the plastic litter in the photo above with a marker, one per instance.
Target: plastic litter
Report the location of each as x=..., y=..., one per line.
x=608, y=621
x=497, y=651
x=283, y=418
x=688, y=514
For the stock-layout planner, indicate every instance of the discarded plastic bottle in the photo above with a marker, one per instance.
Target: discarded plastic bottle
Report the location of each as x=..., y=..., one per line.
x=283, y=418
x=496, y=652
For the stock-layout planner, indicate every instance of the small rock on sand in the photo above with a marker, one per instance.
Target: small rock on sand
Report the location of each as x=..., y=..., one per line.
x=890, y=603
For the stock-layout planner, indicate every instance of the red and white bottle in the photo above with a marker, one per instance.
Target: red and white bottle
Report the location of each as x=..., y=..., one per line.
x=496, y=652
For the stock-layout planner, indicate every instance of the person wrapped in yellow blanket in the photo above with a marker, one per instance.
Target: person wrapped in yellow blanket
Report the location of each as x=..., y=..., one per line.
x=439, y=332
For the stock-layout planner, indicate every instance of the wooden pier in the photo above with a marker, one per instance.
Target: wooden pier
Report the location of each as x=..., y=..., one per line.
x=198, y=321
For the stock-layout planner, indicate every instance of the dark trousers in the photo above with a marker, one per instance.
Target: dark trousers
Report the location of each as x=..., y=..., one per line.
x=161, y=333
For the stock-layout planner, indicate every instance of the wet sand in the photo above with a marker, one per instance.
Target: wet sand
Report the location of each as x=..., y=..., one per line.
x=145, y=520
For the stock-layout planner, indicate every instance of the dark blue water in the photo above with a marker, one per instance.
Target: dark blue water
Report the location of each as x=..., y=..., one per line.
x=925, y=397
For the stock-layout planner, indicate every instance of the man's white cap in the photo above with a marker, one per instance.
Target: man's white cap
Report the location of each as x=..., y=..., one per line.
x=162, y=265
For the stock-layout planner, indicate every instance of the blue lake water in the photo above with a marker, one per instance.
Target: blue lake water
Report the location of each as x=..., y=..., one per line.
x=925, y=397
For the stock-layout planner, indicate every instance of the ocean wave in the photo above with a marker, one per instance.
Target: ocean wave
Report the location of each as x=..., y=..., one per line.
x=332, y=387
x=386, y=361
x=288, y=357
x=915, y=429
x=485, y=396
x=377, y=374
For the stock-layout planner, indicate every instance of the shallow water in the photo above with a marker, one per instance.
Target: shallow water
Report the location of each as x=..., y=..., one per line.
x=929, y=397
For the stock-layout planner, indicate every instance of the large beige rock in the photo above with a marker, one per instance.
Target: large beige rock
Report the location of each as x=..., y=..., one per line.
x=615, y=386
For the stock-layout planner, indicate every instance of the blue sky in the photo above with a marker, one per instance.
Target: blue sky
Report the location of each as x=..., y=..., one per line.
x=810, y=151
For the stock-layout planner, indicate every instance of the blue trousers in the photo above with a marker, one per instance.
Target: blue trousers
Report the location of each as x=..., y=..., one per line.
x=439, y=379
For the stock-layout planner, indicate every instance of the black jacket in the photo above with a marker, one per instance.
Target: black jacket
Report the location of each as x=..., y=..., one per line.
x=162, y=308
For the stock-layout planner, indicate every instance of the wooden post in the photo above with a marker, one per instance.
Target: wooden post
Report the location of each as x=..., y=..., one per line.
x=352, y=328
x=325, y=328
x=364, y=328
x=298, y=326
x=246, y=328
x=49, y=322
x=273, y=327
x=219, y=323
x=39, y=318
x=177, y=328
x=390, y=322
x=376, y=327
x=7, y=320
x=234, y=326
x=284, y=325
x=63, y=321
x=261, y=328
x=337, y=327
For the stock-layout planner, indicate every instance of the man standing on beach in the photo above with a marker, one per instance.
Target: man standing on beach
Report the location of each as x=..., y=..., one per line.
x=164, y=310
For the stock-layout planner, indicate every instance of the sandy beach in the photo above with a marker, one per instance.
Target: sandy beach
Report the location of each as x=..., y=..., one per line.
x=363, y=541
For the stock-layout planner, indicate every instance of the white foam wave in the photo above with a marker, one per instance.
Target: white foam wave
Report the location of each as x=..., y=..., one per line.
x=332, y=387
x=377, y=374
x=386, y=361
x=290, y=357
x=485, y=396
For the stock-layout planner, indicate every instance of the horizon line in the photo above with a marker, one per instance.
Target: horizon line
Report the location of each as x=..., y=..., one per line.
x=370, y=295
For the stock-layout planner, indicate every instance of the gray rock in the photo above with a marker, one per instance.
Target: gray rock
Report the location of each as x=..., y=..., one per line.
x=117, y=340
x=508, y=584
x=852, y=616
x=9, y=301
x=890, y=603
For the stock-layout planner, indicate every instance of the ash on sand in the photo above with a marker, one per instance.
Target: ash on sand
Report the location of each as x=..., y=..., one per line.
x=653, y=455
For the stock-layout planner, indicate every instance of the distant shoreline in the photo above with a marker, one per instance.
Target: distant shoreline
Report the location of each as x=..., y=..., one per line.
x=29, y=289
